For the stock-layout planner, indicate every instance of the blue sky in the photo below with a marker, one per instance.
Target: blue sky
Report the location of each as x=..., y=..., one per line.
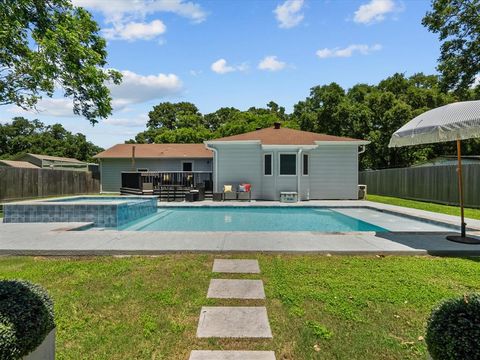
x=242, y=53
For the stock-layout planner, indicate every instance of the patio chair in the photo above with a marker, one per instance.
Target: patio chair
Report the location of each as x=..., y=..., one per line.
x=147, y=189
x=244, y=192
x=229, y=193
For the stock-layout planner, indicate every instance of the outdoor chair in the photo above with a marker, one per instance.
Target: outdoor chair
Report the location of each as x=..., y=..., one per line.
x=229, y=193
x=147, y=188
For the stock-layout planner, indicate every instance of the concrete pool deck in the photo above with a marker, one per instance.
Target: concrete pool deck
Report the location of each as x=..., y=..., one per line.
x=54, y=239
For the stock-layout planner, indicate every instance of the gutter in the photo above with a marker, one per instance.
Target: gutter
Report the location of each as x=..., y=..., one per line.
x=215, y=166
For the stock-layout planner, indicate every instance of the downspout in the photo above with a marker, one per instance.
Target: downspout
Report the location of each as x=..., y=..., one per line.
x=215, y=167
x=362, y=150
x=299, y=166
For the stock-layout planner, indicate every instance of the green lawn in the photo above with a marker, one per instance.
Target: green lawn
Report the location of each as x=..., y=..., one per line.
x=444, y=209
x=148, y=307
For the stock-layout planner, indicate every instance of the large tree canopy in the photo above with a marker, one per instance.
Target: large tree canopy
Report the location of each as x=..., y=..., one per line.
x=46, y=45
x=371, y=112
x=457, y=23
x=24, y=136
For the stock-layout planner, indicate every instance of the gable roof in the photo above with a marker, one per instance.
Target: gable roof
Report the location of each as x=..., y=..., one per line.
x=121, y=151
x=285, y=136
x=53, y=158
x=18, y=164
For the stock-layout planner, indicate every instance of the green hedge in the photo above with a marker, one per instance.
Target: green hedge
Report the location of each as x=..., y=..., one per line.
x=26, y=318
x=453, y=330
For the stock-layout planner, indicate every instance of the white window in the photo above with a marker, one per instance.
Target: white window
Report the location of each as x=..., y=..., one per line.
x=267, y=164
x=288, y=164
x=305, y=165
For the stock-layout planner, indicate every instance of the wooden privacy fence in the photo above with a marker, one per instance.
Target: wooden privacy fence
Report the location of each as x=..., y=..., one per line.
x=430, y=183
x=16, y=184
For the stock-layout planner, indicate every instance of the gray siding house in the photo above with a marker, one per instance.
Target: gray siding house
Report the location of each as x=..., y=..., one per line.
x=145, y=158
x=276, y=160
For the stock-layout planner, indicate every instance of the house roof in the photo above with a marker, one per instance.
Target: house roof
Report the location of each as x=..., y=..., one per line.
x=18, y=164
x=54, y=158
x=285, y=136
x=120, y=151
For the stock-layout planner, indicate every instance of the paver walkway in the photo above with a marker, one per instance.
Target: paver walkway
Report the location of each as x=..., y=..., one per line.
x=234, y=321
x=235, y=289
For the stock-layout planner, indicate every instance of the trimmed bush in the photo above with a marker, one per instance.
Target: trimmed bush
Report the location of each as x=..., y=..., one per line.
x=26, y=318
x=453, y=330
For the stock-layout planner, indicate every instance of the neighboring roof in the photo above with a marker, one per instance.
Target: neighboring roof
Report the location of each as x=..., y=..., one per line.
x=285, y=136
x=449, y=159
x=54, y=158
x=156, y=151
x=18, y=164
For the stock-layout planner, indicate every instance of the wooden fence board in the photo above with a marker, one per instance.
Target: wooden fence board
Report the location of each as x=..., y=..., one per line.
x=430, y=183
x=17, y=184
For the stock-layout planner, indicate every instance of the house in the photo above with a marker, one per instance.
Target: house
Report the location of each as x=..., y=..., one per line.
x=272, y=160
x=54, y=162
x=169, y=159
x=17, y=164
x=277, y=159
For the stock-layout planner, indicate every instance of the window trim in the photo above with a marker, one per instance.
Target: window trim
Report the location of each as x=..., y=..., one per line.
x=303, y=164
x=188, y=161
x=271, y=164
x=280, y=163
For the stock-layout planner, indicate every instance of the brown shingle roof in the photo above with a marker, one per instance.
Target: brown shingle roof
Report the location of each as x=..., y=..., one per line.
x=18, y=164
x=156, y=151
x=284, y=136
x=55, y=158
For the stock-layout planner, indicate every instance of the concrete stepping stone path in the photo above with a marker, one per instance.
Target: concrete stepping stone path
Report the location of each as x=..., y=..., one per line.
x=231, y=355
x=235, y=289
x=234, y=322
x=238, y=266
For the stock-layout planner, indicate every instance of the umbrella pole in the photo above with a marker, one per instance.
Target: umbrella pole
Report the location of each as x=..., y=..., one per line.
x=460, y=187
x=463, y=236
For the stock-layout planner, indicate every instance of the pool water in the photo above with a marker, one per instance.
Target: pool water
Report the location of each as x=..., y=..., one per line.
x=249, y=219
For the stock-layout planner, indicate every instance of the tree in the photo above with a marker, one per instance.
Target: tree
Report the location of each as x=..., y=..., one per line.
x=174, y=115
x=22, y=136
x=51, y=44
x=457, y=23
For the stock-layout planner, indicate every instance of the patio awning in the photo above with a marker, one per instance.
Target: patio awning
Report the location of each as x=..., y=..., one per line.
x=457, y=121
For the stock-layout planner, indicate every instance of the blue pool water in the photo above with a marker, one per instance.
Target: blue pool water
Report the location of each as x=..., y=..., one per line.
x=249, y=219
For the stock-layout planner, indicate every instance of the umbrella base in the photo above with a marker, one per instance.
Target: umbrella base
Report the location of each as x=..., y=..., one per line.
x=464, y=239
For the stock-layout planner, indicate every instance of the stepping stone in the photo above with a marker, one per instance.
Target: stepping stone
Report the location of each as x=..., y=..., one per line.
x=236, y=266
x=236, y=289
x=234, y=322
x=231, y=355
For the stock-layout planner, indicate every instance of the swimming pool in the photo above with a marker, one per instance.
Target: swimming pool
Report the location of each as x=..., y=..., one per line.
x=250, y=219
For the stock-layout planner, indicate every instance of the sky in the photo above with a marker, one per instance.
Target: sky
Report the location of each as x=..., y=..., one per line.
x=241, y=53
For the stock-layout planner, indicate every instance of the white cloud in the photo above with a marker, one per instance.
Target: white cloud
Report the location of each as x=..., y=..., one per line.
x=271, y=63
x=221, y=67
x=374, y=11
x=119, y=10
x=137, y=88
x=348, y=51
x=134, y=89
x=135, y=31
x=289, y=13
x=137, y=121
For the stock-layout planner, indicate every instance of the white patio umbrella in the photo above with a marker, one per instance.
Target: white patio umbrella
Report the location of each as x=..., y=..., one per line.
x=453, y=122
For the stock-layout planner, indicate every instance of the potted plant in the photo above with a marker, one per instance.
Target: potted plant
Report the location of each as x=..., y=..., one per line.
x=453, y=329
x=27, y=327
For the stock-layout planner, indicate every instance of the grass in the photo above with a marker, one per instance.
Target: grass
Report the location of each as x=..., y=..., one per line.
x=439, y=208
x=319, y=307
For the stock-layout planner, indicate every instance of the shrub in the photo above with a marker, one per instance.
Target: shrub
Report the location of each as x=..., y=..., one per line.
x=26, y=318
x=453, y=330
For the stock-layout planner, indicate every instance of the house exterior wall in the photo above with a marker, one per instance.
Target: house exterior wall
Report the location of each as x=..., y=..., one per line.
x=333, y=171
x=111, y=169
